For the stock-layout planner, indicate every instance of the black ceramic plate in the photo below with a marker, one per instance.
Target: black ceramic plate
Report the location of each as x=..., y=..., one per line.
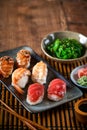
x=74, y=76
x=71, y=94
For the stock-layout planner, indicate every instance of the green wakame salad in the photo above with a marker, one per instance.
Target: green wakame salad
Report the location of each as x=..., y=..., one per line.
x=65, y=49
x=82, y=81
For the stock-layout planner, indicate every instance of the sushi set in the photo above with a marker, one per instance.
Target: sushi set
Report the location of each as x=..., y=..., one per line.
x=33, y=82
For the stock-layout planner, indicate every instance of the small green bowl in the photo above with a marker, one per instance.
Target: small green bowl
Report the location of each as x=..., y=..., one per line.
x=48, y=39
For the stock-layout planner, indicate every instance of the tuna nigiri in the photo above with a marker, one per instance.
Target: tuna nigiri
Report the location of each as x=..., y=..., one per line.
x=35, y=94
x=56, y=89
x=20, y=78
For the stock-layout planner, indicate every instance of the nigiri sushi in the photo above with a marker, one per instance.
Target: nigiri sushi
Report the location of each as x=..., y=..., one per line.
x=35, y=94
x=20, y=78
x=56, y=89
x=39, y=72
x=6, y=66
x=23, y=58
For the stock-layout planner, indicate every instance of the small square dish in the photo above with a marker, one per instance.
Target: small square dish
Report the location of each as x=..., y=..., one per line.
x=74, y=75
x=72, y=92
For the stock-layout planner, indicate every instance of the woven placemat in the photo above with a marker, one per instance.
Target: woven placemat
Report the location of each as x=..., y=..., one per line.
x=59, y=118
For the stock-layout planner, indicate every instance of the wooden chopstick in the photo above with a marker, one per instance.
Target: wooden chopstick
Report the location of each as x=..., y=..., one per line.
x=25, y=122
x=28, y=122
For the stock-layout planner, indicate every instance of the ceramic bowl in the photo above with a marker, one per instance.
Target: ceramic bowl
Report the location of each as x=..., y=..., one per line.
x=81, y=110
x=74, y=76
x=48, y=39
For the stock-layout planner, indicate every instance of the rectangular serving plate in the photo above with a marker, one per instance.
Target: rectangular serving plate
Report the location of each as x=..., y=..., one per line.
x=72, y=92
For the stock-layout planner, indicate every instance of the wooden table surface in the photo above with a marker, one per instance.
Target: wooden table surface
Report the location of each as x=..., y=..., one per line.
x=26, y=22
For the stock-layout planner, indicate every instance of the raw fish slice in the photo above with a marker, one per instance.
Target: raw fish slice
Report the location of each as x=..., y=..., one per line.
x=56, y=89
x=20, y=78
x=35, y=94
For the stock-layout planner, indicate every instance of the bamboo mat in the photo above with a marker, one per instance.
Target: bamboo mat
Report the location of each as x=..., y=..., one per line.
x=59, y=118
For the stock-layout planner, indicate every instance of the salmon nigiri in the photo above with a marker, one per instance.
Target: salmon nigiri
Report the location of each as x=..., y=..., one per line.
x=6, y=66
x=39, y=72
x=23, y=58
x=20, y=78
x=35, y=94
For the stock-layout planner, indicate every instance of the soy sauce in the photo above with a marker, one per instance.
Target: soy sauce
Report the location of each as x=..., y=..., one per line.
x=83, y=107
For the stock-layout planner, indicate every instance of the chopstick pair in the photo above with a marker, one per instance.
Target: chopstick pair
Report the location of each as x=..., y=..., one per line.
x=30, y=124
x=25, y=122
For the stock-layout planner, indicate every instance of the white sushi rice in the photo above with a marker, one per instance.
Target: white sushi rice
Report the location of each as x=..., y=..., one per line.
x=54, y=97
x=40, y=99
x=23, y=81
